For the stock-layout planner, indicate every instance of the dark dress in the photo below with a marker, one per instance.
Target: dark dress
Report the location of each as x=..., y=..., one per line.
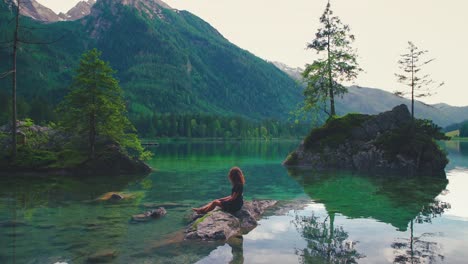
x=236, y=204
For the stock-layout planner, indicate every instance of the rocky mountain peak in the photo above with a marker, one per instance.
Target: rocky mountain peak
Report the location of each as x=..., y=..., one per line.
x=36, y=11
x=152, y=8
x=146, y=3
x=33, y=9
x=82, y=9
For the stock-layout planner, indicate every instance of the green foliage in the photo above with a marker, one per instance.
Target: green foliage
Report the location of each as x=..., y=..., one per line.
x=94, y=108
x=334, y=132
x=464, y=130
x=33, y=152
x=415, y=139
x=30, y=157
x=339, y=64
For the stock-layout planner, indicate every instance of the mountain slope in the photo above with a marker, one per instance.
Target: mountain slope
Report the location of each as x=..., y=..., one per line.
x=166, y=60
x=373, y=101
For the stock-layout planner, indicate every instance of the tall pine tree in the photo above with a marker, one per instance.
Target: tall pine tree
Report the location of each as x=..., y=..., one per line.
x=94, y=110
x=338, y=64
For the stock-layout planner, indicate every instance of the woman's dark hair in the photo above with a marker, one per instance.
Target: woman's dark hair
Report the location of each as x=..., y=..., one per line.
x=236, y=176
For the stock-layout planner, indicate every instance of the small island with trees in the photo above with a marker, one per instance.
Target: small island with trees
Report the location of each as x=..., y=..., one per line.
x=93, y=134
x=391, y=142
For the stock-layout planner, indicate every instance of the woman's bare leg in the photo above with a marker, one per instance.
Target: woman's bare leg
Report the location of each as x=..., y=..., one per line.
x=207, y=208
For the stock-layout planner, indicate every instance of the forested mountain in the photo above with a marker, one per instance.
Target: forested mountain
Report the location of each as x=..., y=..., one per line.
x=373, y=101
x=167, y=61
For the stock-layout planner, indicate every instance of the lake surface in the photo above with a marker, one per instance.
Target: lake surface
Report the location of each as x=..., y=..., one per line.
x=334, y=217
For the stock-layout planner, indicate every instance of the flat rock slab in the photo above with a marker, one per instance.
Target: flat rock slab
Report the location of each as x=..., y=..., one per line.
x=221, y=225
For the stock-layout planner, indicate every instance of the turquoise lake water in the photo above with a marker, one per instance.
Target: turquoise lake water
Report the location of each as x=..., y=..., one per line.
x=333, y=217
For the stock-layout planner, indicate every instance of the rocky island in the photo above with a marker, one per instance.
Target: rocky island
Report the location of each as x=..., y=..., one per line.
x=48, y=150
x=390, y=142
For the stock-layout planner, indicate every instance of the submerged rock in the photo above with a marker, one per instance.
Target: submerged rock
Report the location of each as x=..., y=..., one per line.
x=386, y=143
x=114, y=197
x=103, y=256
x=12, y=223
x=221, y=225
x=151, y=214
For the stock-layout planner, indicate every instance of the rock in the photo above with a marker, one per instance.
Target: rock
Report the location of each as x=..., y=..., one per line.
x=114, y=197
x=220, y=225
x=102, y=256
x=151, y=214
x=165, y=205
x=386, y=143
x=12, y=223
x=113, y=160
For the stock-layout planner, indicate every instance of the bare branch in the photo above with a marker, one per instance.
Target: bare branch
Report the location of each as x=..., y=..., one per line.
x=5, y=74
x=41, y=42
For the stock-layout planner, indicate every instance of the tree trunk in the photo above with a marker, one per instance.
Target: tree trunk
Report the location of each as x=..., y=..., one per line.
x=92, y=136
x=330, y=80
x=412, y=242
x=13, y=95
x=412, y=85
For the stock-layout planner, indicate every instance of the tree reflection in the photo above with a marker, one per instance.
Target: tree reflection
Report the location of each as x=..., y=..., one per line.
x=421, y=249
x=325, y=242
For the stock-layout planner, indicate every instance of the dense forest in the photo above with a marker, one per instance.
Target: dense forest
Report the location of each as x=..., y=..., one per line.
x=211, y=126
x=168, y=124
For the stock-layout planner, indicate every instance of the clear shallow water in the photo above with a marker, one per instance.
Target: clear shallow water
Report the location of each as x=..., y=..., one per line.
x=342, y=217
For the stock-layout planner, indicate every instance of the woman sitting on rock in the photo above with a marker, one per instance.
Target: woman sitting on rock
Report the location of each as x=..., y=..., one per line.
x=233, y=202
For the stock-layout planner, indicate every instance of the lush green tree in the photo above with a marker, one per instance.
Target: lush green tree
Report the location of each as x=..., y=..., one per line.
x=94, y=109
x=338, y=63
x=411, y=64
x=464, y=130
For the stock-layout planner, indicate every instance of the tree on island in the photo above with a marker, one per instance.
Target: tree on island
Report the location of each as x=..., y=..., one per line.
x=411, y=64
x=94, y=110
x=323, y=76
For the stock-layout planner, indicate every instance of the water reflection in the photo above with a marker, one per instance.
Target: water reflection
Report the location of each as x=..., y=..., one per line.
x=218, y=155
x=392, y=200
x=325, y=242
x=417, y=249
x=458, y=153
x=421, y=249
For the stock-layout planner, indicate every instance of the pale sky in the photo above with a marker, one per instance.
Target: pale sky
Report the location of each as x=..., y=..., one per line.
x=279, y=31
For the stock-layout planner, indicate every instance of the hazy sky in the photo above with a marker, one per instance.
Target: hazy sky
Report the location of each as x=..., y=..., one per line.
x=279, y=30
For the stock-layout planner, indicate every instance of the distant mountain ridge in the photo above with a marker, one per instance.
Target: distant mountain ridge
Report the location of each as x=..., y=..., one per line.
x=372, y=101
